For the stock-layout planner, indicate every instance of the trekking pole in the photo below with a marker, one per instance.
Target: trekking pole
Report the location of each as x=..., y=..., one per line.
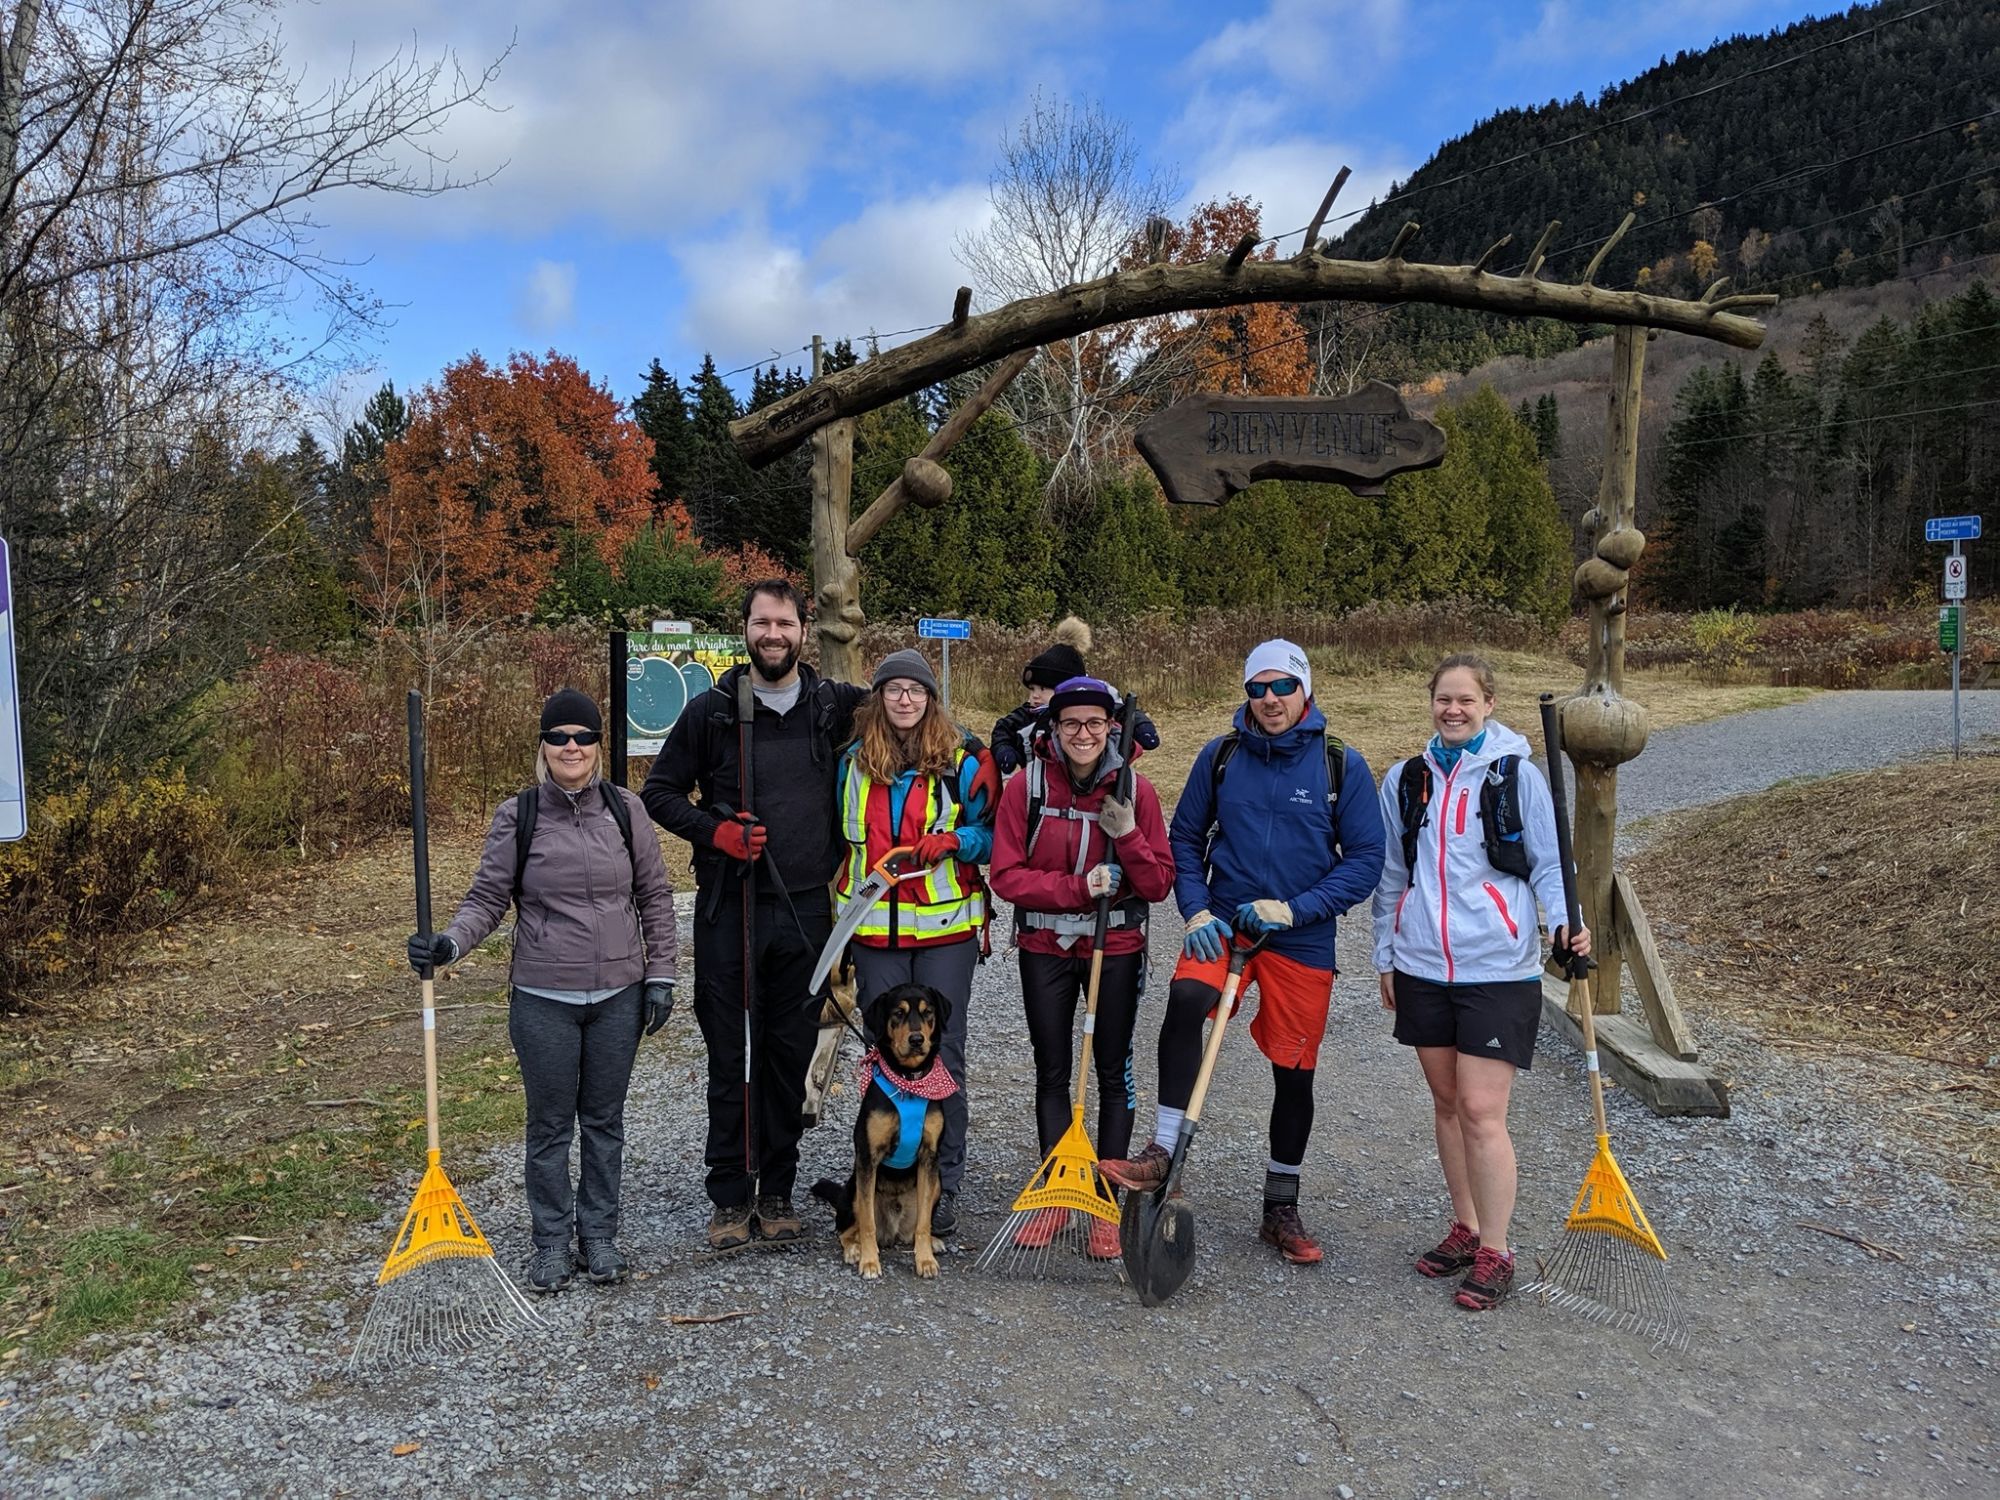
x=746, y=715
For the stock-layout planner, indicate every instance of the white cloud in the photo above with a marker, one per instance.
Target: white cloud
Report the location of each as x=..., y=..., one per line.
x=547, y=300
x=658, y=115
x=1565, y=31
x=1288, y=177
x=1308, y=44
x=889, y=268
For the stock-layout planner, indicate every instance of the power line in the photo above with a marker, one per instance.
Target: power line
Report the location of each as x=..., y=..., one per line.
x=1886, y=416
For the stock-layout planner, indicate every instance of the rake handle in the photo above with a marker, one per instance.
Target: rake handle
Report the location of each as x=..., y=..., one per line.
x=421, y=845
x=1579, y=968
x=1238, y=957
x=1127, y=728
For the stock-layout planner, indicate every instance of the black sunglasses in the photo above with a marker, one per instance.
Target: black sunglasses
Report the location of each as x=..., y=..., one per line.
x=1284, y=687
x=570, y=736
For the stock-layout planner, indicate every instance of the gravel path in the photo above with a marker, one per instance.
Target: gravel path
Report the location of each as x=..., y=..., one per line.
x=1816, y=1369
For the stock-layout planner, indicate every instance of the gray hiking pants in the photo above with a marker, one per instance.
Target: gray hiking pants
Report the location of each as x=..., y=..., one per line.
x=946, y=968
x=576, y=1063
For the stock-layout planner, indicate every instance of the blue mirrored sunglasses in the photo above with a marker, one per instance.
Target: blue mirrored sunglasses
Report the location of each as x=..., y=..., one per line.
x=1284, y=687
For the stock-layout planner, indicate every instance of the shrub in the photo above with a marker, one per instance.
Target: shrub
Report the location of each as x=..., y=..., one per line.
x=1723, y=643
x=103, y=860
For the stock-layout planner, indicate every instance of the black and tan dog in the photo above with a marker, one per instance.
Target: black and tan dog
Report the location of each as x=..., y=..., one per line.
x=883, y=1204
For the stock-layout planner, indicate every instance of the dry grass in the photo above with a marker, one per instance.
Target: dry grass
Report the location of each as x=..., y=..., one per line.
x=1860, y=910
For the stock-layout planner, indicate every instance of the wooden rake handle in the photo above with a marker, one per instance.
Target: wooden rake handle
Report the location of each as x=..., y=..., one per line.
x=1579, y=968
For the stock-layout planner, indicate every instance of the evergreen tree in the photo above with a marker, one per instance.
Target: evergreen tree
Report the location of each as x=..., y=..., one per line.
x=661, y=412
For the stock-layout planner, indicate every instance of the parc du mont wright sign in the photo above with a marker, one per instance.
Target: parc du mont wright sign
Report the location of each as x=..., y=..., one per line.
x=1207, y=448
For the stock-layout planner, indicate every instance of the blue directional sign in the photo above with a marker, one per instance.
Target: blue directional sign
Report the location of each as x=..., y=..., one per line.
x=954, y=630
x=1952, y=529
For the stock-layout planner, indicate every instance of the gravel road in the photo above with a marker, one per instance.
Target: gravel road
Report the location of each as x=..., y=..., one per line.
x=1816, y=1370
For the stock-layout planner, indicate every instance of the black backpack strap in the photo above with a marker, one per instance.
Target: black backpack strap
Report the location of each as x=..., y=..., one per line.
x=1501, y=820
x=526, y=805
x=1413, y=800
x=1336, y=765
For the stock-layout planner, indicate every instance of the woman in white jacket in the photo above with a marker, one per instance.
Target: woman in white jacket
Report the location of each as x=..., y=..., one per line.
x=1459, y=953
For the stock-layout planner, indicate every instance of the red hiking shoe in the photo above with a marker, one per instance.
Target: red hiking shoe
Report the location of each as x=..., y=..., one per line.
x=1486, y=1285
x=1142, y=1173
x=1103, y=1240
x=1283, y=1229
x=1452, y=1255
x=1040, y=1231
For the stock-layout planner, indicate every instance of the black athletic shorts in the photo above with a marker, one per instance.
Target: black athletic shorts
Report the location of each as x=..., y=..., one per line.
x=1483, y=1020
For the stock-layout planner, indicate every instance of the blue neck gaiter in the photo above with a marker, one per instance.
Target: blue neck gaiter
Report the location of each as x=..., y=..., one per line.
x=1447, y=755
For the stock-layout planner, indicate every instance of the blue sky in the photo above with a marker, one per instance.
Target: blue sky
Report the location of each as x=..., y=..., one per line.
x=674, y=178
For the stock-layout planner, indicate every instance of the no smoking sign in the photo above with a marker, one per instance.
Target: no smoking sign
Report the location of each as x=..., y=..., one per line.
x=1954, y=577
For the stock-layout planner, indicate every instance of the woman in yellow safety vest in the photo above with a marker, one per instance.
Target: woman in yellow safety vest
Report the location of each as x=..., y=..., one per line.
x=913, y=778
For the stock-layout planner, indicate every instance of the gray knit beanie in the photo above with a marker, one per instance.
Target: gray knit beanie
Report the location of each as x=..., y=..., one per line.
x=908, y=664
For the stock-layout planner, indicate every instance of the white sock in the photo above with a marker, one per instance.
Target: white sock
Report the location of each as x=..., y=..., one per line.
x=1167, y=1127
x=1283, y=1169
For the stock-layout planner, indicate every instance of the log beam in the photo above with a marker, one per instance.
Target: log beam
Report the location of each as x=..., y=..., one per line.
x=892, y=499
x=1152, y=291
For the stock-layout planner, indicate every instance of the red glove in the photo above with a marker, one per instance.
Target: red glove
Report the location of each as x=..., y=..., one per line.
x=936, y=848
x=741, y=837
x=986, y=778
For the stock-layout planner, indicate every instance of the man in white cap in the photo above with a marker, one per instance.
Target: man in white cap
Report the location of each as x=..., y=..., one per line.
x=1278, y=832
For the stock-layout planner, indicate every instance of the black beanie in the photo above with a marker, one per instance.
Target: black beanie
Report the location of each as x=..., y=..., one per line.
x=568, y=706
x=1053, y=667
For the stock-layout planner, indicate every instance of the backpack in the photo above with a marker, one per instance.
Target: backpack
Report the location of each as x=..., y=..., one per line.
x=526, y=810
x=1226, y=748
x=1499, y=812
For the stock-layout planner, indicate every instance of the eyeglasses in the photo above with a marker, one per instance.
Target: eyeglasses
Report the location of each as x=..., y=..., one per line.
x=570, y=736
x=1088, y=728
x=909, y=692
x=1284, y=687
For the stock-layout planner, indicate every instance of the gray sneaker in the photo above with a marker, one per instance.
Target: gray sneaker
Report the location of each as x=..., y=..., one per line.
x=729, y=1226
x=549, y=1270
x=602, y=1262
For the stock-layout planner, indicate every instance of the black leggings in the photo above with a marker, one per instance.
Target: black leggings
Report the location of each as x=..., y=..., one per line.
x=1188, y=1003
x=1050, y=986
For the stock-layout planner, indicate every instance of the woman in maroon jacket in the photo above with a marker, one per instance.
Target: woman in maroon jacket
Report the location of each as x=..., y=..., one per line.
x=1084, y=844
x=594, y=959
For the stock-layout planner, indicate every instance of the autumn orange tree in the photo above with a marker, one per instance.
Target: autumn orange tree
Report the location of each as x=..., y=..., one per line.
x=502, y=476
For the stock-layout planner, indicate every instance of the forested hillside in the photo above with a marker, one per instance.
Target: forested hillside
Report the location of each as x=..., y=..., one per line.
x=1834, y=152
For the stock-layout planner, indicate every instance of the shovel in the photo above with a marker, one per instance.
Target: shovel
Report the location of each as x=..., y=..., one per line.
x=1156, y=1233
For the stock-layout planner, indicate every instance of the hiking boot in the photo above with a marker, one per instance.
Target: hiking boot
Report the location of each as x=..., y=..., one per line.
x=1283, y=1229
x=601, y=1261
x=776, y=1219
x=1040, y=1231
x=1142, y=1173
x=1486, y=1285
x=729, y=1226
x=1452, y=1254
x=944, y=1214
x=548, y=1270
x=1103, y=1240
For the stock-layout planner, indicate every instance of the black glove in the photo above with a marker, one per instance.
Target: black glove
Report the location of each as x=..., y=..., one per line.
x=430, y=951
x=659, y=1003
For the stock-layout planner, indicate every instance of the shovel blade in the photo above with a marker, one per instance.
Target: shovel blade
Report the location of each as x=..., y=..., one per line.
x=1157, y=1243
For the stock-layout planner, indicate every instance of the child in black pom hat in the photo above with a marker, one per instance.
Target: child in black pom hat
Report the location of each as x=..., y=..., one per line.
x=1013, y=735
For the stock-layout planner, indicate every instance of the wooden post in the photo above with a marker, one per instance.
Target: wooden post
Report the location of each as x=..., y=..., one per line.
x=837, y=616
x=1601, y=728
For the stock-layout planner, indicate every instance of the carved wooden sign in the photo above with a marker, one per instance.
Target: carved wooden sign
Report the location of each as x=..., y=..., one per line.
x=1207, y=448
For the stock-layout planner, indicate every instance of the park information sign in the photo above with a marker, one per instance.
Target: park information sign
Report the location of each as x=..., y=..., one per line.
x=1207, y=448
x=664, y=671
x=13, y=780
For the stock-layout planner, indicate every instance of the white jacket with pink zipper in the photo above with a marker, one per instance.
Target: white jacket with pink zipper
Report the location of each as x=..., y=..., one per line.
x=1456, y=919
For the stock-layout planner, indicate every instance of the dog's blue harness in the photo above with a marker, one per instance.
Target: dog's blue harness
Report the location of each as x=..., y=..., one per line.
x=910, y=1110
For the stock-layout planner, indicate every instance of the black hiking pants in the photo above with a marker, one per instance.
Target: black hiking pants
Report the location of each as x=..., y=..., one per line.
x=1051, y=986
x=784, y=1021
x=576, y=1064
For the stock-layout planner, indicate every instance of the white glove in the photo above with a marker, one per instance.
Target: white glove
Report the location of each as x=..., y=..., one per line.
x=1102, y=880
x=1116, y=818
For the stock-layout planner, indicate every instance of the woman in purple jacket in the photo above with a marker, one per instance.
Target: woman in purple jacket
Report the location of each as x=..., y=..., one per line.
x=594, y=958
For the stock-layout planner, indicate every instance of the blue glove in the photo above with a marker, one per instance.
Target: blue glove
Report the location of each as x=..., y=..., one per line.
x=1147, y=736
x=1007, y=756
x=1258, y=917
x=1208, y=937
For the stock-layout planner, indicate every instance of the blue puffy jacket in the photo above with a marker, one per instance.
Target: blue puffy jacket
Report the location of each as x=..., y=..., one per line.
x=1275, y=835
